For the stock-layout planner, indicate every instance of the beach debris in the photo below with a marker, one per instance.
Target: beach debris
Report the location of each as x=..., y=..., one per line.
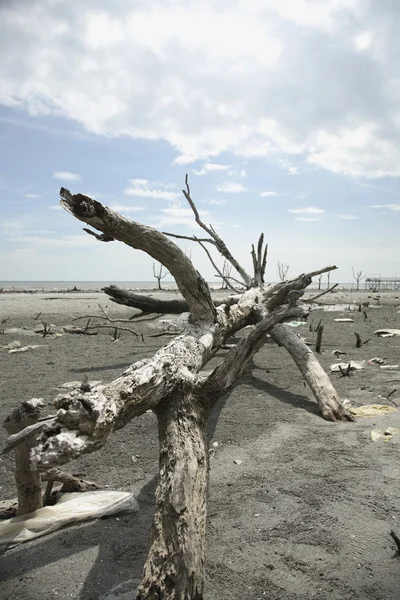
x=296, y=323
x=78, y=330
x=215, y=444
x=237, y=462
x=358, y=340
x=27, y=348
x=390, y=367
x=376, y=360
x=372, y=410
x=352, y=365
x=11, y=345
x=344, y=320
x=384, y=434
x=386, y=333
x=338, y=353
x=319, y=338
x=71, y=508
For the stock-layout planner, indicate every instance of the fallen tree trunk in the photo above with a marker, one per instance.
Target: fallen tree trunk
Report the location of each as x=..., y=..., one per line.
x=174, y=568
x=325, y=394
x=169, y=383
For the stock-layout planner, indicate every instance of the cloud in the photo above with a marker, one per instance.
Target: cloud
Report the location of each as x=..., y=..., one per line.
x=308, y=210
x=308, y=219
x=55, y=207
x=66, y=176
x=176, y=214
x=267, y=194
x=121, y=208
x=231, y=188
x=293, y=171
x=220, y=202
x=393, y=207
x=31, y=195
x=347, y=217
x=209, y=167
x=348, y=123
x=68, y=241
x=145, y=189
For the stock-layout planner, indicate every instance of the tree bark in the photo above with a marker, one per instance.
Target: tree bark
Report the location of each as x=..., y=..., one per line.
x=115, y=227
x=147, y=304
x=174, y=569
x=28, y=481
x=325, y=394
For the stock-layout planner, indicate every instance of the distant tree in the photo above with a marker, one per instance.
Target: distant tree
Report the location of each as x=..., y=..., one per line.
x=226, y=272
x=358, y=276
x=282, y=271
x=158, y=272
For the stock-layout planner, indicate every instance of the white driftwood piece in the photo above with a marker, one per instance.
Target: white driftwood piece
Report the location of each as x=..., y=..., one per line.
x=70, y=509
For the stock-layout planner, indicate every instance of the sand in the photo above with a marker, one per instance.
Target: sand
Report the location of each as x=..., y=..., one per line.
x=307, y=514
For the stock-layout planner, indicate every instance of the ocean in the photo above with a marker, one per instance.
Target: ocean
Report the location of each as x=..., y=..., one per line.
x=91, y=286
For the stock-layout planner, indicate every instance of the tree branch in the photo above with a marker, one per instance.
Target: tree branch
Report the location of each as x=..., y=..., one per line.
x=220, y=244
x=190, y=283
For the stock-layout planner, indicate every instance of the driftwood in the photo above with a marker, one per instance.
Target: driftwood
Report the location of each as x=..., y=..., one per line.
x=170, y=384
x=28, y=481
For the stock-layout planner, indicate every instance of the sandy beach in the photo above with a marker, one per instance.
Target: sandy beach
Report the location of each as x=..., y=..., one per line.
x=306, y=514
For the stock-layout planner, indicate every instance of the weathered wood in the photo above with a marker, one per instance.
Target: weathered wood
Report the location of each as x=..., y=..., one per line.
x=174, y=569
x=146, y=304
x=88, y=419
x=28, y=481
x=190, y=283
x=325, y=394
x=320, y=331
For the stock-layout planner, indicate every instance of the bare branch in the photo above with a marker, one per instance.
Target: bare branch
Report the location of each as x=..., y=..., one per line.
x=237, y=359
x=220, y=244
x=217, y=269
x=322, y=293
x=191, y=285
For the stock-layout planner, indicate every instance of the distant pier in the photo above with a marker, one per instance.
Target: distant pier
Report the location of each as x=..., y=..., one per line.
x=377, y=283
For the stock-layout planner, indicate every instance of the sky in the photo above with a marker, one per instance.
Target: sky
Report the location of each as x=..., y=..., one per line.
x=285, y=114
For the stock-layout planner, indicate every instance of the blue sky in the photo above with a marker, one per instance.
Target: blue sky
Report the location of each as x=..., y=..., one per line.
x=285, y=114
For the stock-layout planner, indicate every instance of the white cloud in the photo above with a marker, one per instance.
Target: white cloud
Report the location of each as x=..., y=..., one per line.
x=66, y=176
x=176, y=214
x=308, y=219
x=221, y=202
x=394, y=207
x=363, y=40
x=55, y=207
x=308, y=210
x=143, y=188
x=121, y=208
x=209, y=167
x=231, y=188
x=267, y=194
x=203, y=57
x=31, y=195
x=293, y=171
x=68, y=241
x=347, y=217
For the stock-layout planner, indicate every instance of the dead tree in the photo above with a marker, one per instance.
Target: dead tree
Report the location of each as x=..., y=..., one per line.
x=226, y=273
x=282, y=271
x=358, y=276
x=159, y=274
x=170, y=384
